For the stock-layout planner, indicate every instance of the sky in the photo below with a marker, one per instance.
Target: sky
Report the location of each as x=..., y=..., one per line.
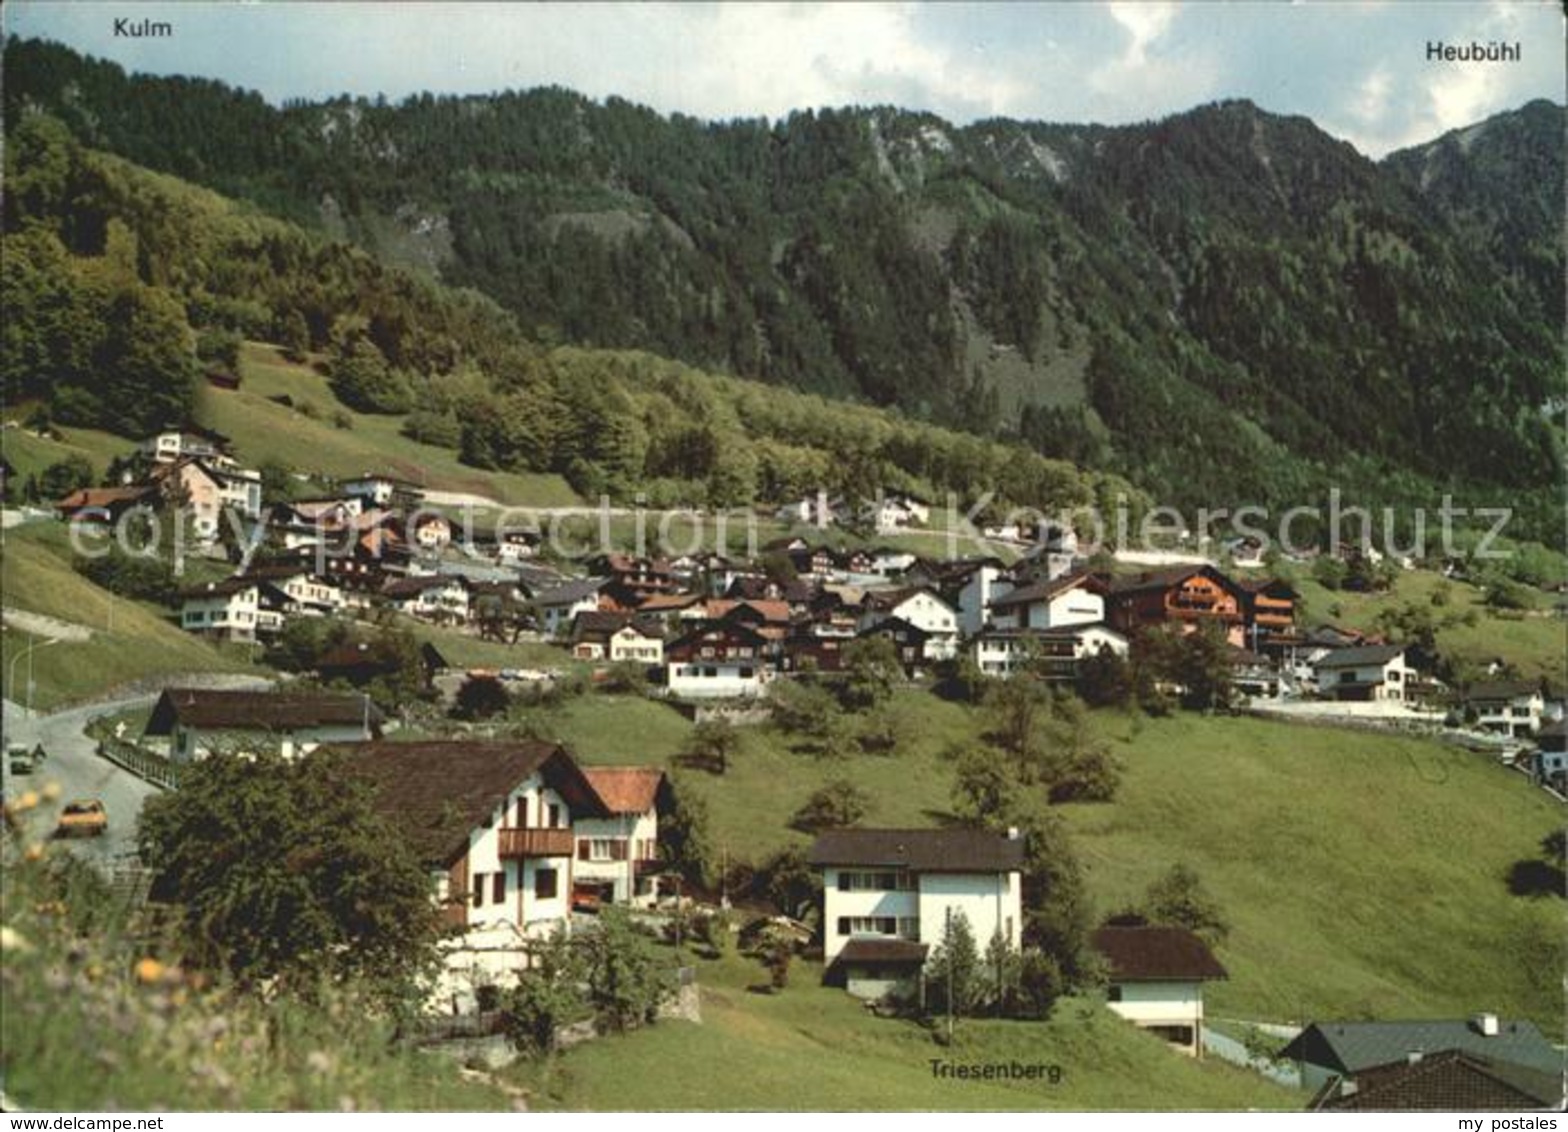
x=1360, y=70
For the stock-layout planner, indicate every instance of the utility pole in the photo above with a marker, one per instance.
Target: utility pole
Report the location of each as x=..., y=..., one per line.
x=947, y=947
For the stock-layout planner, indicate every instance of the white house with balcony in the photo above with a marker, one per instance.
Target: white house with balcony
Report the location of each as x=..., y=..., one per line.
x=430, y=597
x=228, y=610
x=618, y=854
x=1074, y=599
x=920, y=606
x=1510, y=707
x=1365, y=673
x=722, y=659
x=1053, y=653
x=887, y=895
x=1156, y=980
x=493, y=822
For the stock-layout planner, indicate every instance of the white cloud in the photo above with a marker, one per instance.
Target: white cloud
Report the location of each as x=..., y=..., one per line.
x=1145, y=23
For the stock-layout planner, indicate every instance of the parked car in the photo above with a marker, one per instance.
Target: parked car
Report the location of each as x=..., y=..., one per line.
x=19, y=760
x=84, y=817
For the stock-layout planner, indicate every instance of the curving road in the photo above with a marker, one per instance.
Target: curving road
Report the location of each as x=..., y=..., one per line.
x=74, y=765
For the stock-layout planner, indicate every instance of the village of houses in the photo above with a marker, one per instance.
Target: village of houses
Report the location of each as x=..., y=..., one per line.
x=548, y=840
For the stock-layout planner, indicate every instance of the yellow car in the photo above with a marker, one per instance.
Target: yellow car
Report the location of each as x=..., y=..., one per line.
x=84, y=817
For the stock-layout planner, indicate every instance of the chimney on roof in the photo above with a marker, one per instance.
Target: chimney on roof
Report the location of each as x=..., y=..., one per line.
x=1485, y=1025
x=1413, y=1057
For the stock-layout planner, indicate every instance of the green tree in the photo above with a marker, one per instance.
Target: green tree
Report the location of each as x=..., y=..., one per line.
x=955, y=979
x=1104, y=679
x=65, y=476
x=986, y=787
x=548, y=996
x=835, y=805
x=1179, y=898
x=1330, y=571
x=628, y=978
x=803, y=709
x=871, y=667
x=790, y=883
x=1040, y=983
x=1004, y=971
x=480, y=697
x=362, y=379
x=1057, y=911
x=684, y=839
x=774, y=947
x=279, y=868
x=712, y=744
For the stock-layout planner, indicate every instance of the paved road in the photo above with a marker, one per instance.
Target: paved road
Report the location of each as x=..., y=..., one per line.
x=74, y=765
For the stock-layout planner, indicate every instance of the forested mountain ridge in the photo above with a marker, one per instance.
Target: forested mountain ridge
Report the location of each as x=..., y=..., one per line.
x=1227, y=306
x=121, y=285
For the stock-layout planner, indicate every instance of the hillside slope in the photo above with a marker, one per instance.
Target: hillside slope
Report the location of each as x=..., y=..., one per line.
x=1228, y=305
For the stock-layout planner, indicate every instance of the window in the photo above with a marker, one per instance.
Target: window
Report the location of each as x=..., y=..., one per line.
x=545, y=884
x=479, y=890
x=555, y=817
x=869, y=925
x=1393, y=676
x=584, y=849
x=746, y=673
x=498, y=887
x=875, y=882
x=909, y=927
x=1114, y=994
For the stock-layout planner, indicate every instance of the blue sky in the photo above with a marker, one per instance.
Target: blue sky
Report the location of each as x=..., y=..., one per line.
x=1358, y=69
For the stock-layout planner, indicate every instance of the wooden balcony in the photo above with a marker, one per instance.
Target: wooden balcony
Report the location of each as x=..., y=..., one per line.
x=519, y=843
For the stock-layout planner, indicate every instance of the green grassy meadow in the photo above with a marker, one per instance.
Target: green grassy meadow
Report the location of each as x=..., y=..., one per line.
x=814, y=1047
x=265, y=430
x=130, y=640
x=1363, y=874
x=1534, y=641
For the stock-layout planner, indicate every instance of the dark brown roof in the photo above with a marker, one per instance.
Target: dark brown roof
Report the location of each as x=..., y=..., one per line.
x=1450, y=1080
x=626, y=789
x=439, y=791
x=882, y=951
x=1163, y=579
x=1503, y=690
x=922, y=850
x=892, y=599
x=213, y=709
x=1156, y=954
x=1045, y=591
x=412, y=587
x=224, y=588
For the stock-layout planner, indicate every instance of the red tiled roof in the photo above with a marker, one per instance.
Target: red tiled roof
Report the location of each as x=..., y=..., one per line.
x=101, y=497
x=626, y=789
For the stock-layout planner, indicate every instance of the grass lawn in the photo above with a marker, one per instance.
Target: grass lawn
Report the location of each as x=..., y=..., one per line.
x=814, y=1047
x=1362, y=874
x=1536, y=643
x=464, y=650
x=264, y=430
x=36, y=575
x=31, y=454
